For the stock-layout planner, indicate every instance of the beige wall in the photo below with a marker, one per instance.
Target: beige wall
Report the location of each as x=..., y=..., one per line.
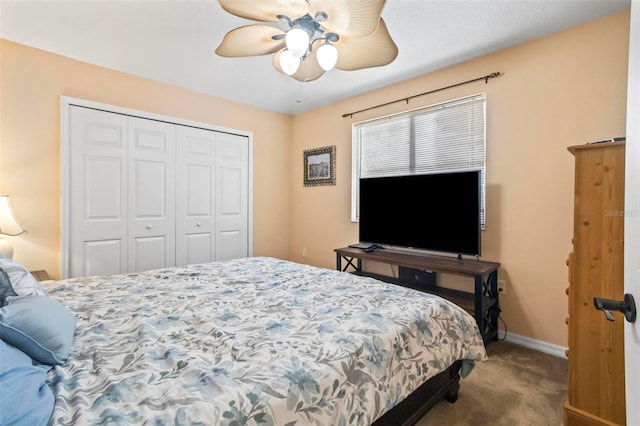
x=565, y=89
x=31, y=82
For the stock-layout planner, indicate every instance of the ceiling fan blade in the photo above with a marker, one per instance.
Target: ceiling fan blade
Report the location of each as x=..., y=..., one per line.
x=250, y=40
x=352, y=18
x=375, y=50
x=265, y=10
x=309, y=69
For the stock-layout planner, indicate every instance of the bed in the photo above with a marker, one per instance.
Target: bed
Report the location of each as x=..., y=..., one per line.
x=247, y=341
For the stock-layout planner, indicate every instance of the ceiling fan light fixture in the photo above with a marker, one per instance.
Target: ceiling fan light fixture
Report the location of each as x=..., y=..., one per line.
x=297, y=41
x=321, y=16
x=327, y=56
x=288, y=62
x=320, y=35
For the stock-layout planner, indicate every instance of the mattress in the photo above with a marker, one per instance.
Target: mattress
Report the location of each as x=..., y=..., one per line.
x=250, y=341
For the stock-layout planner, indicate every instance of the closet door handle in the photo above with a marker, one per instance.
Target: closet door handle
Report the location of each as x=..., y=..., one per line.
x=626, y=306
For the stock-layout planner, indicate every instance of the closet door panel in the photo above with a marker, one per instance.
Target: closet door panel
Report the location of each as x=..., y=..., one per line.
x=103, y=257
x=149, y=253
x=195, y=222
x=230, y=245
x=151, y=194
x=98, y=210
x=231, y=197
x=198, y=248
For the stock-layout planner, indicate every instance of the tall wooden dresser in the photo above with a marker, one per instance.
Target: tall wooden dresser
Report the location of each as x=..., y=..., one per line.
x=596, y=394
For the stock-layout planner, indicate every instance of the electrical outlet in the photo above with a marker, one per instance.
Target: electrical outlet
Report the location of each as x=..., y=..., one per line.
x=304, y=252
x=502, y=287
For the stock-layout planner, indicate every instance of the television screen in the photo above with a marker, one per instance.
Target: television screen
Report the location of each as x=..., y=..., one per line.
x=438, y=212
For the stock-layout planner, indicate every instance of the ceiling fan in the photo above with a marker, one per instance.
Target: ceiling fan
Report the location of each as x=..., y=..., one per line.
x=311, y=36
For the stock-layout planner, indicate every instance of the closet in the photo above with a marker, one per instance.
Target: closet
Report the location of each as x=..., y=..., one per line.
x=146, y=193
x=596, y=391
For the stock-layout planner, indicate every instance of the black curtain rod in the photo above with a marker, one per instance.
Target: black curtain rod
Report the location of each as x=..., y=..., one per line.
x=485, y=78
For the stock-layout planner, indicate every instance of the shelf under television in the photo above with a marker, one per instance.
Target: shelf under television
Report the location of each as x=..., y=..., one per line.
x=482, y=303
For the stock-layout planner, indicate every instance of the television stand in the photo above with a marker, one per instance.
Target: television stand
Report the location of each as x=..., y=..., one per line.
x=483, y=303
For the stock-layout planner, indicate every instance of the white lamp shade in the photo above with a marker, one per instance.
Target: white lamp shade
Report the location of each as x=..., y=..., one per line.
x=327, y=55
x=9, y=225
x=297, y=41
x=288, y=62
x=6, y=249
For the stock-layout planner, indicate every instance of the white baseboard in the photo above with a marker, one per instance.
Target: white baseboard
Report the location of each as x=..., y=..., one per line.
x=538, y=345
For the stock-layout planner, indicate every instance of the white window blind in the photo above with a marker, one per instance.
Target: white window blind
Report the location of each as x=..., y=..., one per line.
x=441, y=138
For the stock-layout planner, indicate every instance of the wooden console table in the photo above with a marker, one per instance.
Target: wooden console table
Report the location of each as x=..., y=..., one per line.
x=483, y=303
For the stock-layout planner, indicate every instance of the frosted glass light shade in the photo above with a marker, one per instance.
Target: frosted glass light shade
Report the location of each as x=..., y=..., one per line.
x=297, y=41
x=327, y=56
x=288, y=62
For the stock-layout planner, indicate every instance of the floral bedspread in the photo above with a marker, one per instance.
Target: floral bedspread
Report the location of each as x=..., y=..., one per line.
x=250, y=341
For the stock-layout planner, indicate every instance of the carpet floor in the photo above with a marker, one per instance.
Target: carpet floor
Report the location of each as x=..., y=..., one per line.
x=515, y=386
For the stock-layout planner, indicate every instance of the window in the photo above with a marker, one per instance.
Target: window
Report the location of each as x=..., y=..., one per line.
x=443, y=137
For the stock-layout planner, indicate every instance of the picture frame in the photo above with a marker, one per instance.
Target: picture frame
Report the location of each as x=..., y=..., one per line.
x=320, y=166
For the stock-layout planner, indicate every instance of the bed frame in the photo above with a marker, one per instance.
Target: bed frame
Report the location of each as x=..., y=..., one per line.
x=414, y=407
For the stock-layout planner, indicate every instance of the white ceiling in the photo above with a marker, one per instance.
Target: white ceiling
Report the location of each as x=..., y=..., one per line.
x=174, y=42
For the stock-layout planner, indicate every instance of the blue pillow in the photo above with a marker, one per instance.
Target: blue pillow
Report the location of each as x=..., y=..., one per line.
x=25, y=398
x=39, y=326
x=5, y=287
x=22, y=282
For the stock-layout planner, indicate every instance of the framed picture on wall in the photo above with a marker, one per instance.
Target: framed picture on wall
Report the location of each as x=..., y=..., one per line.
x=320, y=166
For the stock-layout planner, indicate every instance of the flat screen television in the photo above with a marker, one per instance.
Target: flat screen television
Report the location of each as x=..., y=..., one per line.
x=436, y=212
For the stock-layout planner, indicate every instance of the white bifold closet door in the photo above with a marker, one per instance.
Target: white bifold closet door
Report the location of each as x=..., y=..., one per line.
x=211, y=208
x=151, y=198
x=98, y=229
x=147, y=194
